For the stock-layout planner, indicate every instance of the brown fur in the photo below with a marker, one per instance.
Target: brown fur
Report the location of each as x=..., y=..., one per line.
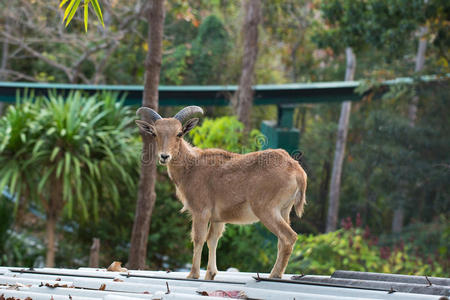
x=219, y=187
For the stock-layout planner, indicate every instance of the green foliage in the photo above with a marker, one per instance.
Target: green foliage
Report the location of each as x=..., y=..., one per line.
x=7, y=221
x=317, y=145
x=400, y=164
x=176, y=66
x=234, y=250
x=429, y=241
x=114, y=230
x=17, y=137
x=81, y=147
x=387, y=25
x=378, y=23
x=167, y=221
x=346, y=19
x=226, y=133
x=353, y=249
x=16, y=248
x=195, y=61
x=86, y=141
x=22, y=249
x=209, y=49
x=72, y=7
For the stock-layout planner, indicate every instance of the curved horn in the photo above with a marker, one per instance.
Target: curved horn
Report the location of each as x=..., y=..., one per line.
x=148, y=114
x=187, y=112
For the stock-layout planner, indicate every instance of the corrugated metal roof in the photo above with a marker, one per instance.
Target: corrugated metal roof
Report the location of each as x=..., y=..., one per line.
x=88, y=283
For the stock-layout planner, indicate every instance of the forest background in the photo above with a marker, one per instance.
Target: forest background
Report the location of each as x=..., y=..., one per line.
x=388, y=163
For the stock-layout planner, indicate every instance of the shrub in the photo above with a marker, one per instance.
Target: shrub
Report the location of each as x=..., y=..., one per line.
x=226, y=133
x=355, y=249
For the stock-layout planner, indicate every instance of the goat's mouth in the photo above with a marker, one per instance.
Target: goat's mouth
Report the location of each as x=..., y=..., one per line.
x=163, y=161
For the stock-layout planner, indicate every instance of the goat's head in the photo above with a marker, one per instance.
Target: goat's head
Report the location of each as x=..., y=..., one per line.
x=168, y=132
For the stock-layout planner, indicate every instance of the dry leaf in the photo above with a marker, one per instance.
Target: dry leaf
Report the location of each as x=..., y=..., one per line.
x=227, y=294
x=56, y=285
x=116, y=266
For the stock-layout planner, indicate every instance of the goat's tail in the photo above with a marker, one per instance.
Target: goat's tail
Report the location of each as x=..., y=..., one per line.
x=300, y=197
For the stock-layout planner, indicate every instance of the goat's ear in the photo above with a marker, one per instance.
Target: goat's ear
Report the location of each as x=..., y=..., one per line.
x=146, y=127
x=189, y=125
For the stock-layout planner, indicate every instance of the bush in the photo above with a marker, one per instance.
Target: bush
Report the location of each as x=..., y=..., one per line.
x=16, y=249
x=226, y=133
x=355, y=249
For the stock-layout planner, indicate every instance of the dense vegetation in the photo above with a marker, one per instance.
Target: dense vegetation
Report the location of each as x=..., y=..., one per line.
x=387, y=161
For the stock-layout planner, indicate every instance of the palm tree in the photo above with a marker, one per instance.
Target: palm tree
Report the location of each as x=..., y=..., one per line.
x=64, y=153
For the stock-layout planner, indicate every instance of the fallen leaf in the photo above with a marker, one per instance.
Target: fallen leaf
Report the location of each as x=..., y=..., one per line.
x=116, y=266
x=56, y=285
x=228, y=294
x=16, y=286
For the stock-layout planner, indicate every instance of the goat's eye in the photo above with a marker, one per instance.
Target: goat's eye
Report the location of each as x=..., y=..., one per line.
x=180, y=134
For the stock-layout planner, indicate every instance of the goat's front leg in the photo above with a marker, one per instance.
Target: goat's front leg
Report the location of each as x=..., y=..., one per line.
x=214, y=234
x=199, y=231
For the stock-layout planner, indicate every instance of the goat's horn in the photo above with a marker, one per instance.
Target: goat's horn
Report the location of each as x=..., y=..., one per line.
x=187, y=112
x=148, y=114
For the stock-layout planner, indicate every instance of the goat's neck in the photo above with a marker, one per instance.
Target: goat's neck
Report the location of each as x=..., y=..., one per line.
x=182, y=162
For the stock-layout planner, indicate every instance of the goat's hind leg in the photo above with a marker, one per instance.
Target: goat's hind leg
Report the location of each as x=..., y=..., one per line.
x=277, y=223
x=214, y=234
x=199, y=231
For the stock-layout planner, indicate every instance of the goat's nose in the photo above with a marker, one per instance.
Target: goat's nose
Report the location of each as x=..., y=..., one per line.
x=164, y=156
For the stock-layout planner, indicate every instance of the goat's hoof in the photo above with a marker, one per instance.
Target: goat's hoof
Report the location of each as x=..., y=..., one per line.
x=275, y=276
x=210, y=275
x=193, y=275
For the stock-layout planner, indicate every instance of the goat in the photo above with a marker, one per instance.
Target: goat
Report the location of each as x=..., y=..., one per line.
x=219, y=187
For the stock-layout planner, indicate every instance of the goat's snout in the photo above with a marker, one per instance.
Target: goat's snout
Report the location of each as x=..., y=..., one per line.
x=164, y=158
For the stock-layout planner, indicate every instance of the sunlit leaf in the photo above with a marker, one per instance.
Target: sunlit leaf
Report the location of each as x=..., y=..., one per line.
x=86, y=12
x=97, y=10
x=62, y=3
x=73, y=11
x=69, y=9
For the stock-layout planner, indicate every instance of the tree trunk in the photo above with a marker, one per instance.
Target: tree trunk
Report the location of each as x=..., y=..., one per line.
x=243, y=99
x=335, y=185
x=50, y=232
x=94, y=253
x=52, y=209
x=399, y=212
x=4, y=62
x=146, y=193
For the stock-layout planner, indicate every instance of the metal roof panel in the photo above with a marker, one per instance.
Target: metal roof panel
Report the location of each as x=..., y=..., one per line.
x=99, y=284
